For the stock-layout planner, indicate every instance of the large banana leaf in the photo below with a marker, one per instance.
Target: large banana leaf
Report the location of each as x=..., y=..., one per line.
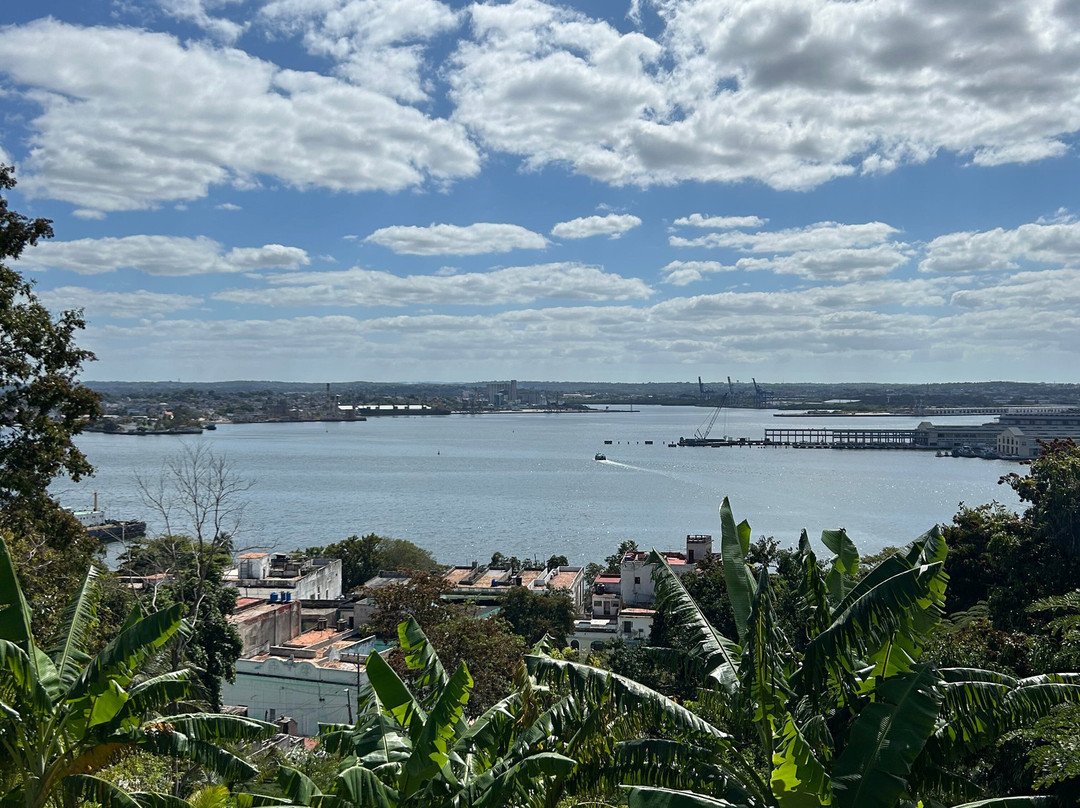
x=668, y=763
x=845, y=565
x=69, y=653
x=132, y=646
x=87, y=788
x=715, y=654
x=516, y=784
x=983, y=705
x=761, y=672
x=420, y=655
x=14, y=612
x=431, y=750
x=813, y=595
x=376, y=742
x=885, y=740
x=868, y=623
x=592, y=686
x=162, y=739
x=18, y=668
x=734, y=545
x=361, y=787
x=395, y=696
x=150, y=696
x=799, y=779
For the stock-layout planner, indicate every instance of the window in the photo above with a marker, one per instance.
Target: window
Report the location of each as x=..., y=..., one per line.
x=689, y=555
x=637, y=579
x=626, y=627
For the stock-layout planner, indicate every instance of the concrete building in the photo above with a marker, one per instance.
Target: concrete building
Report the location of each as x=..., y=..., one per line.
x=262, y=624
x=568, y=579
x=1020, y=432
x=622, y=604
x=259, y=575
x=321, y=688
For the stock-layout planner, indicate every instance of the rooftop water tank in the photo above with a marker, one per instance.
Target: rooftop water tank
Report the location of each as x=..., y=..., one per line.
x=273, y=597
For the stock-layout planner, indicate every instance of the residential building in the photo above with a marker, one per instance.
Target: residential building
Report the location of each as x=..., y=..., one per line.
x=258, y=575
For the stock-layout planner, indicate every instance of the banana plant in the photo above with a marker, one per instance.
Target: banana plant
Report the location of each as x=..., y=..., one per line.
x=855, y=719
x=65, y=715
x=415, y=748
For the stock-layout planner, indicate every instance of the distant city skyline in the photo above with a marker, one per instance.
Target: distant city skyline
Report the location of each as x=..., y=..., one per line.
x=651, y=190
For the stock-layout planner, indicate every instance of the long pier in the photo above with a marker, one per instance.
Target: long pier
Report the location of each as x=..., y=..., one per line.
x=823, y=438
x=846, y=438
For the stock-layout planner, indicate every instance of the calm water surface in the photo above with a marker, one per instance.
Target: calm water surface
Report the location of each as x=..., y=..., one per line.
x=526, y=484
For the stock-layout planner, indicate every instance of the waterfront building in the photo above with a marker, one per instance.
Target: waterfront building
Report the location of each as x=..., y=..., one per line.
x=259, y=575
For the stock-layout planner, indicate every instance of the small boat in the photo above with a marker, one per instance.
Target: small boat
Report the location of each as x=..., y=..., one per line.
x=599, y=456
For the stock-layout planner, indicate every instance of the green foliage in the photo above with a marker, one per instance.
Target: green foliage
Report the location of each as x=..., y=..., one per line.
x=856, y=717
x=488, y=646
x=531, y=615
x=413, y=750
x=42, y=405
x=66, y=715
x=363, y=557
x=614, y=561
x=194, y=579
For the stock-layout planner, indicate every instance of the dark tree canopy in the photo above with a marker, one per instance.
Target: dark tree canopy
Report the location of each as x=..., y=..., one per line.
x=42, y=405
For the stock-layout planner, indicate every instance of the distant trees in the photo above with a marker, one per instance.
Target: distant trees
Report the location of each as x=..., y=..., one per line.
x=531, y=615
x=363, y=556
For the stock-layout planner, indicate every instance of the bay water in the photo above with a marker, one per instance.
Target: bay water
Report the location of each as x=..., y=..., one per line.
x=526, y=484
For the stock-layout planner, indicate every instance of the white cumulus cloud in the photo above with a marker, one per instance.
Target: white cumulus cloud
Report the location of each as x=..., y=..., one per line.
x=131, y=119
x=158, y=255
x=522, y=284
x=719, y=222
x=613, y=225
x=450, y=239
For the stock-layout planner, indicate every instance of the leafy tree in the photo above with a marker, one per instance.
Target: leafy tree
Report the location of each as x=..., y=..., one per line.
x=1053, y=490
x=556, y=561
x=66, y=715
x=592, y=569
x=363, y=557
x=532, y=615
x=490, y=649
x=1011, y=561
x=42, y=406
x=420, y=597
x=614, y=561
x=402, y=554
x=212, y=645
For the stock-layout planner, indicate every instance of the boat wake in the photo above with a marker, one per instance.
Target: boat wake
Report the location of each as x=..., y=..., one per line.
x=661, y=472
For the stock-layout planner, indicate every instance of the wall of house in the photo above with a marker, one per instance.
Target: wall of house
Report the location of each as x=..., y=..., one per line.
x=310, y=694
x=268, y=626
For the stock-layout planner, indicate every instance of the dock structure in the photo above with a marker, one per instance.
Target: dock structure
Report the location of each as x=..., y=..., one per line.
x=846, y=438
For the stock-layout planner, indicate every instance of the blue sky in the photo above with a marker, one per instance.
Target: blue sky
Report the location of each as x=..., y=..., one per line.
x=411, y=190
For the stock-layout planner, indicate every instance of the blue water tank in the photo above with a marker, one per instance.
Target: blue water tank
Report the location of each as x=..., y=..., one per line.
x=286, y=596
x=273, y=597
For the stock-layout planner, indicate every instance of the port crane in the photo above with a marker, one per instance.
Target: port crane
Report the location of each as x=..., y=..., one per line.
x=702, y=432
x=761, y=397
